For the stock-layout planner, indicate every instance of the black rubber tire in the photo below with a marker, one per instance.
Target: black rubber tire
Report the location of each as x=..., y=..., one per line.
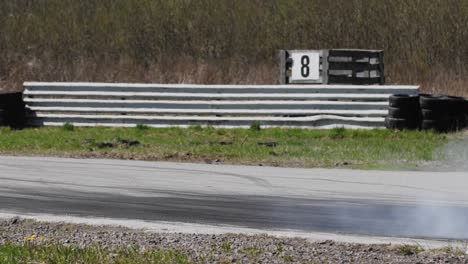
x=453, y=104
x=397, y=112
x=401, y=124
x=434, y=102
x=429, y=114
x=459, y=124
x=403, y=101
x=13, y=110
x=404, y=113
x=458, y=98
x=466, y=113
x=457, y=105
x=441, y=126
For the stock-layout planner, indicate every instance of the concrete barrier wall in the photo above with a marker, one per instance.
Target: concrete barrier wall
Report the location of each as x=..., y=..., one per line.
x=230, y=106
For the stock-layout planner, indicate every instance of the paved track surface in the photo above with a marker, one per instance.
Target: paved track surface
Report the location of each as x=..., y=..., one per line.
x=381, y=203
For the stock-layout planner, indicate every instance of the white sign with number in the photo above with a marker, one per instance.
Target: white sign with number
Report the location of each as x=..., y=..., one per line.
x=306, y=66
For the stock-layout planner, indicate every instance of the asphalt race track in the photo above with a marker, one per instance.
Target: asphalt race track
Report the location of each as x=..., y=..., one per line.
x=381, y=203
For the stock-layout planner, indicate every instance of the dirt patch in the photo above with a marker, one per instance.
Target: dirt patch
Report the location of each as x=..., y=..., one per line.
x=270, y=144
x=117, y=143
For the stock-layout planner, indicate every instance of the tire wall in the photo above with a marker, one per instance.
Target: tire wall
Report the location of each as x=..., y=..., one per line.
x=440, y=113
x=443, y=113
x=12, y=110
x=404, y=112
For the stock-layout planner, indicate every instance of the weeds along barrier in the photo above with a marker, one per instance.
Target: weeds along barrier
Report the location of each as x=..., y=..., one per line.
x=228, y=106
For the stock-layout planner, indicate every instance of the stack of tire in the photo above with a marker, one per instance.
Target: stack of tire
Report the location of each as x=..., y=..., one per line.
x=404, y=112
x=466, y=113
x=443, y=113
x=12, y=110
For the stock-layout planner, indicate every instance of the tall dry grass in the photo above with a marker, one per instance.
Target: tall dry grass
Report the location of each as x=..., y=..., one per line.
x=226, y=41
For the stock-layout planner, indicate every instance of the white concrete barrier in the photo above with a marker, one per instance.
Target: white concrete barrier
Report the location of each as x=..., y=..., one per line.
x=164, y=105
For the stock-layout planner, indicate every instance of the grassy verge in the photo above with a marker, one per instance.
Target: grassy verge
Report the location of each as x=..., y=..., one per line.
x=275, y=147
x=29, y=253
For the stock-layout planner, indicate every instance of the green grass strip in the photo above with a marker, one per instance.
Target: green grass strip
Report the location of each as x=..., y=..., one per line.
x=29, y=253
x=277, y=147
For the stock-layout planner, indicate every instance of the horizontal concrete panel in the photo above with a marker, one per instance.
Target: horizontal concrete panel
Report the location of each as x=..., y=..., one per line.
x=124, y=118
x=229, y=89
x=212, y=96
x=188, y=111
x=325, y=126
x=130, y=104
x=316, y=126
x=198, y=86
x=221, y=122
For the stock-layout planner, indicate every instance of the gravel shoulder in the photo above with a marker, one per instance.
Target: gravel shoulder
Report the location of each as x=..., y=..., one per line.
x=227, y=248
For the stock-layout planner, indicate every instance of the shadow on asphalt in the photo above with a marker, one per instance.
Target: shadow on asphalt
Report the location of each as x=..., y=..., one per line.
x=339, y=216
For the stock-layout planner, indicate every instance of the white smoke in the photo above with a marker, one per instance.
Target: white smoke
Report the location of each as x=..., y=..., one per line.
x=451, y=157
x=445, y=221
x=444, y=216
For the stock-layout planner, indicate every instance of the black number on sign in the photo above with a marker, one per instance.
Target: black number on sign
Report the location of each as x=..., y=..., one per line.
x=305, y=70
